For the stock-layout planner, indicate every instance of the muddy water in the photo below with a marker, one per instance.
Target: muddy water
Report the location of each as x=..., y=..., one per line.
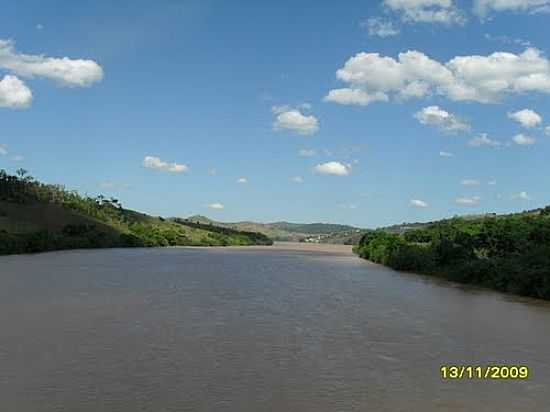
x=292, y=328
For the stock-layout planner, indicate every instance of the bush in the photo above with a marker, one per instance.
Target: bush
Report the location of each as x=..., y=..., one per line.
x=511, y=254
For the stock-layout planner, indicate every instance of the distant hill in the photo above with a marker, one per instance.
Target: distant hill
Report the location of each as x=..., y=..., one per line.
x=37, y=217
x=285, y=231
x=402, y=228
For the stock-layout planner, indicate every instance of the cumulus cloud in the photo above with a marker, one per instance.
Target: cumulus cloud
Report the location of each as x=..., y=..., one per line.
x=521, y=196
x=483, y=7
x=523, y=140
x=526, y=117
x=216, y=206
x=14, y=94
x=427, y=11
x=470, y=182
x=294, y=120
x=297, y=179
x=357, y=97
x=418, y=203
x=468, y=201
x=443, y=120
x=333, y=168
x=486, y=79
x=483, y=140
x=445, y=154
x=308, y=152
x=242, y=180
x=64, y=71
x=379, y=27
x=152, y=162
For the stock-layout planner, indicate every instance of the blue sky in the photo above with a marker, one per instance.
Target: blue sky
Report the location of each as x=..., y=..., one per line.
x=166, y=105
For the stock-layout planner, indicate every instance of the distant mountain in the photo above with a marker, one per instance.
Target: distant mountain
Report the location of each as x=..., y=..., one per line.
x=312, y=228
x=286, y=231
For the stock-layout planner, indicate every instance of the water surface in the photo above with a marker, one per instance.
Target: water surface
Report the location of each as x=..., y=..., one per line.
x=291, y=328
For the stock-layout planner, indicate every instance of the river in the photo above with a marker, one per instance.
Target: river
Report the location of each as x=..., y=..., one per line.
x=289, y=328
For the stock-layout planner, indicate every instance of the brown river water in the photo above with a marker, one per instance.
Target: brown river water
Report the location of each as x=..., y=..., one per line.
x=289, y=328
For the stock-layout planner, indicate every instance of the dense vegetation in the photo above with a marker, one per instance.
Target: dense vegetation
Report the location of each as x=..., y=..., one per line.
x=507, y=253
x=222, y=234
x=38, y=217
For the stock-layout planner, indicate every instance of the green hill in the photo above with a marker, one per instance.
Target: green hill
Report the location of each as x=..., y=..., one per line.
x=285, y=231
x=37, y=217
x=510, y=253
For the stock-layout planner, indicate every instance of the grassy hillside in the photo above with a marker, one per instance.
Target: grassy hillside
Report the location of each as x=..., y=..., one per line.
x=351, y=237
x=508, y=253
x=38, y=217
x=284, y=231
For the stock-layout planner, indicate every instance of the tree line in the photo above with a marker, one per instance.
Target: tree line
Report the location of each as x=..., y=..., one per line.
x=105, y=222
x=507, y=253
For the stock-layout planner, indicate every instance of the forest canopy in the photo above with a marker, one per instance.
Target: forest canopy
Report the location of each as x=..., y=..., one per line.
x=506, y=253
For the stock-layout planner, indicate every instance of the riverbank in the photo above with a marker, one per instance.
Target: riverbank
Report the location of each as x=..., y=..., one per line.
x=37, y=217
x=506, y=253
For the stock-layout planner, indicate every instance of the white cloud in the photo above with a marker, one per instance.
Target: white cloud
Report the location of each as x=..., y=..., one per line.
x=469, y=182
x=39, y=26
x=547, y=131
x=381, y=28
x=523, y=140
x=485, y=79
x=508, y=40
x=443, y=120
x=446, y=154
x=308, y=152
x=216, y=206
x=521, y=196
x=483, y=140
x=212, y=172
x=468, y=201
x=483, y=7
x=64, y=71
x=152, y=162
x=17, y=158
x=426, y=11
x=297, y=179
x=492, y=182
x=354, y=96
x=14, y=94
x=292, y=119
x=333, y=168
x=3, y=150
x=526, y=117
x=418, y=203
x=242, y=180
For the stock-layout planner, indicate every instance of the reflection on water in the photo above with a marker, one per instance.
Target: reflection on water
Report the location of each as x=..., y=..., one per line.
x=289, y=328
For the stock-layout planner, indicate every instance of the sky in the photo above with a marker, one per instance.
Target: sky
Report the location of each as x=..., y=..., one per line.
x=365, y=112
